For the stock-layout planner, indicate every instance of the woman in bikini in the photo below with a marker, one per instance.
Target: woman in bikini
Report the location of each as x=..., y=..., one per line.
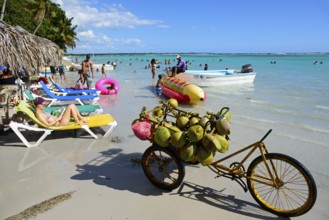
x=61, y=120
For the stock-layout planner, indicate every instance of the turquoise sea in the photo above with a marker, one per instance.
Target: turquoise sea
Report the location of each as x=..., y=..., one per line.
x=291, y=97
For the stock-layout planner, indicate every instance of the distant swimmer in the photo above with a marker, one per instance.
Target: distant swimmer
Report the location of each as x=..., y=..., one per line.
x=316, y=62
x=205, y=67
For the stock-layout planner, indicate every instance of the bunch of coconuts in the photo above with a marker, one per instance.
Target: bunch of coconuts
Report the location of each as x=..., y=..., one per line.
x=197, y=139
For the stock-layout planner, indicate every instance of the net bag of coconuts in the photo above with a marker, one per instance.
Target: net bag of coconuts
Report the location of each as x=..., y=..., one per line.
x=195, y=138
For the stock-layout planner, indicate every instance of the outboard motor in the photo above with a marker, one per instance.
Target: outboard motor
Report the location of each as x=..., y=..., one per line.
x=247, y=68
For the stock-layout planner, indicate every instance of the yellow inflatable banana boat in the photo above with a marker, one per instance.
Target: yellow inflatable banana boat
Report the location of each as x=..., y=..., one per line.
x=182, y=91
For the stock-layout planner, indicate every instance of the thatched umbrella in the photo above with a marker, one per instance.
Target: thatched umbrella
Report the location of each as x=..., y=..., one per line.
x=19, y=48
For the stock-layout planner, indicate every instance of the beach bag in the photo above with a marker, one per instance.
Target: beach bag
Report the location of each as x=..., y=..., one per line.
x=78, y=86
x=142, y=130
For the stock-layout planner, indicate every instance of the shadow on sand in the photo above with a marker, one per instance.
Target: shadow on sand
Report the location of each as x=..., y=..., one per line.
x=9, y=138
x=220, y=200
x=121, y=171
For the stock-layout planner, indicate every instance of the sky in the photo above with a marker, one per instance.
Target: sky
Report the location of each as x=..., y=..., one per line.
x=207, y=26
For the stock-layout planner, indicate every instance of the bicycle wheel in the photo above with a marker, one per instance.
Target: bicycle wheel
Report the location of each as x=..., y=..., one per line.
x=163, y=168
x=295, y=191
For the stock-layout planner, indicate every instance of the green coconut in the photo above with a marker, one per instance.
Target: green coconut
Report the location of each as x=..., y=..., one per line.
x=203, y=121
x=228, y=116
x=211, y=143
x=193, y=121
x=173, y=129
x=182, y=122
x=195, y=133
x=223, y=142
x=223, y=126
x=162, y=136
x=177, y=139
x=173, y=102
x=188, y=152
x=204, y=156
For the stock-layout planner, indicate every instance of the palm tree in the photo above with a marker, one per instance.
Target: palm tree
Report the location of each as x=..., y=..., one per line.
x=40, y=9
x=59, y=29
x=3, y=9
x=65, y=33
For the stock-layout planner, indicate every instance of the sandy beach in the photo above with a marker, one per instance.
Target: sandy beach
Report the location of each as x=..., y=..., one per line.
x=85, y=178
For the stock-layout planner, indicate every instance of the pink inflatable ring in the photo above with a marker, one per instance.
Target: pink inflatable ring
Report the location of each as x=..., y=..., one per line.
x=107, y=86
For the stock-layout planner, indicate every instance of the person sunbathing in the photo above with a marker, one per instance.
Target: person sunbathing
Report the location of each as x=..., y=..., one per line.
x=62, y=119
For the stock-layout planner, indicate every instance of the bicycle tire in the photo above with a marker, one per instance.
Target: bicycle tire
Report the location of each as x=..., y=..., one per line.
x=163, y=168
x=295, y=193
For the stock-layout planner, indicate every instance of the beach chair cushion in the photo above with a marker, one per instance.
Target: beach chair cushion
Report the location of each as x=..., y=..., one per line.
x=66, y=98
x=81, y=108
x=78, y=90
x=28, y=95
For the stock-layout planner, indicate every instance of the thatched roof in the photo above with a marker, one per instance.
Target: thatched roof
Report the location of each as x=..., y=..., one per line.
x=21, y=48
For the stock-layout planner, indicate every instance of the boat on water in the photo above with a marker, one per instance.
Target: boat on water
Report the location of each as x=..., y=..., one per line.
x=69, y=65
x=108, y=67
x=210, y=78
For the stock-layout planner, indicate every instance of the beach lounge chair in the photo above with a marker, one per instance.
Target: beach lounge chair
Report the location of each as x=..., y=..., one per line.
x=29, y=112
x=83, y=109
x=73, y=91
x=81, y=99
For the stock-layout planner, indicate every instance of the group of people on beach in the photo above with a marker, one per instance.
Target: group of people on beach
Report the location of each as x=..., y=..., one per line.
x=86, y=75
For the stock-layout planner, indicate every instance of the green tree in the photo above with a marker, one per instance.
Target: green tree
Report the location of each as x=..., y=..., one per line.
x=41, y=8
x=44, y=18
x=60, y=30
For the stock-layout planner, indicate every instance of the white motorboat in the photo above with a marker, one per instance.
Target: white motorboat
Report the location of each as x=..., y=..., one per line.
x=108, y=67
x=207, y=78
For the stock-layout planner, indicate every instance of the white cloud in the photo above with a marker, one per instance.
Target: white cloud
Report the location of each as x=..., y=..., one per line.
x=89, y=34
x=113, y=42
x=110, y=15
x=93, y=19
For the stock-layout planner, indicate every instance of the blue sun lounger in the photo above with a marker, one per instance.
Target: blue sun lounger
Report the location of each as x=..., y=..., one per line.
x=73, y=91
x=81, y=99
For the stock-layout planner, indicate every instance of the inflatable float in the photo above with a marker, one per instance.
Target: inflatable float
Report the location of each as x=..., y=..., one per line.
x=182, y=91
x=107, y=86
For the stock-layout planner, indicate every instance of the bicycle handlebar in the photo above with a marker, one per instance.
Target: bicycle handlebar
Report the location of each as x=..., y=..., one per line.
x=265, y=136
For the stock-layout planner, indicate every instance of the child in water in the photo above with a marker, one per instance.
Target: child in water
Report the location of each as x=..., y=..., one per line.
x=158, y=87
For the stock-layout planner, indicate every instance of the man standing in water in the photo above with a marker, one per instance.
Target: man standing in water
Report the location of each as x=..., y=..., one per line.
x=88, y=71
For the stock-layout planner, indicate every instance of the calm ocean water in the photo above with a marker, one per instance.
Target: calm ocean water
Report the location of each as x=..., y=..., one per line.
x=291, y=97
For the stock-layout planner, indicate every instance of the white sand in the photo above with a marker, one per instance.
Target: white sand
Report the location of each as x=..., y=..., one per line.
x=107, y=183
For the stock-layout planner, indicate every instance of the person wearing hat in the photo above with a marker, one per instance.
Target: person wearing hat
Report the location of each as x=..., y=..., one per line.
x=62, y=119
x=179, y=68
x=88, y=71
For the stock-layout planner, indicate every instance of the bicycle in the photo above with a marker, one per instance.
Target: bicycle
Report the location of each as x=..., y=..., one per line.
x=279, y=183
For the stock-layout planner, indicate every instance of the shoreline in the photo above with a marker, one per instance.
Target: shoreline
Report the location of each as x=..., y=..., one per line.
x=204, y=53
